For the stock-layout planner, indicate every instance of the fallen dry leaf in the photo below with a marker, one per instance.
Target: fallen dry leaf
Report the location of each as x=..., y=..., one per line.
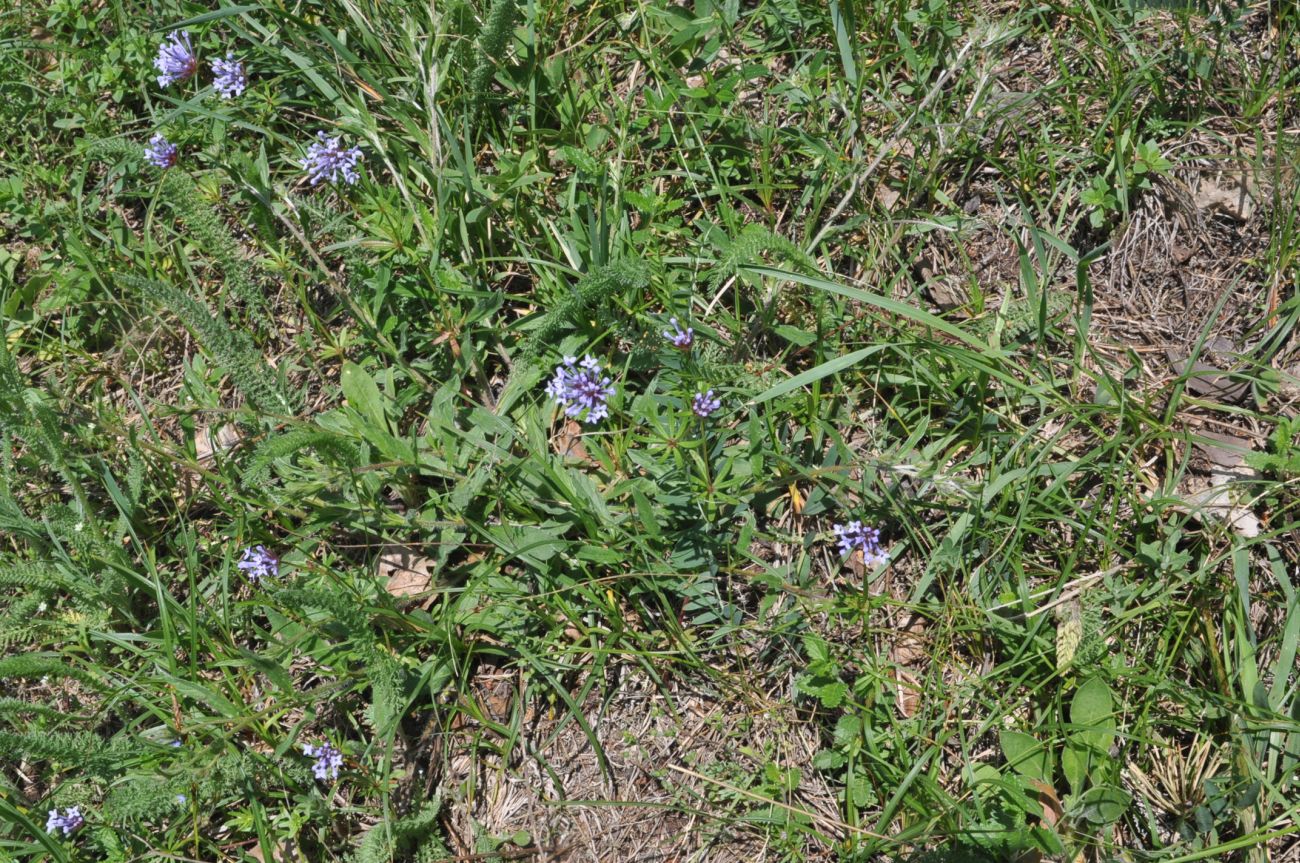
x=1230, y=196
x=909, y=645
x=1218, y=502
x=907, y=691
x=1221, y=499
x=567, y=443
x=208, y=442
x=1206, y=380
x=282, y=853
x=886, y=196
x=908, y=652
x=1052, y=809
x=408, y=573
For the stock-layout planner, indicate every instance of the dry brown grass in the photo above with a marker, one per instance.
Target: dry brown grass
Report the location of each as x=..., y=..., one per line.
x=675, y=756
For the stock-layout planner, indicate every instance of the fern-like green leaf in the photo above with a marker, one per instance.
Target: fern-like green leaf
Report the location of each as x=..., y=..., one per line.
x=292, y=441
x=229, y=347
x=212, y=236
x=201, y=220
x=591, y=289
x=492, y=42
x=751, y=246
x=386, y=840
x=34, y=665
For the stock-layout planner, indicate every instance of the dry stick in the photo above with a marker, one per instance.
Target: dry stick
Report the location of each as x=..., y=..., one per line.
x=1068, y=592
x=337, y=286
x=362, y=314
x=817, y=817
x=514, y=854
x=889, y=146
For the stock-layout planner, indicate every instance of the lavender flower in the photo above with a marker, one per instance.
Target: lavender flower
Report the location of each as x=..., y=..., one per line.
x=258, y=563
x=855, y=535
x=579, y=385
x=680, y=338
x=68, y=822
x=229, y=79
x=181, y=800
x=176, y=60
x=704, y=403
x=328, y=160
x=160, y=151
x=328, y=760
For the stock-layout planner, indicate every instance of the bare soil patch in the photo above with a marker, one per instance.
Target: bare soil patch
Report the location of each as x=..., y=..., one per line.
x=675, y=779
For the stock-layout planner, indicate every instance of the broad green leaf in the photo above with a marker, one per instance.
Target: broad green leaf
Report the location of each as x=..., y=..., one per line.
x=1048, y=840
x=859, y=791
x=832, y=694
x=536, y=545
x=363, y=395
x=1026, y=755
x=847, y=730
x=816, y=648
x=1092, y=715
x=886, y=304
x=308, y=69
x=845, y=38
x=600, y=554
x=829, y=759
x=1074, y=764
x=228, y=12
x=198, y=692
x=1104, y=804
x=794, y=335
x=829, y=367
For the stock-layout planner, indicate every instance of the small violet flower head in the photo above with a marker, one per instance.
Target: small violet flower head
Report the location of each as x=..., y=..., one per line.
x=855, y=535
x=68, y=821
x=328, y=760
x=181, y=800
x=680, y=338
x=258, y=563
x=229, y=78
x=327, y=160
x=176, y=60
x=580, y=385
x=160, y=152
x=705, y=404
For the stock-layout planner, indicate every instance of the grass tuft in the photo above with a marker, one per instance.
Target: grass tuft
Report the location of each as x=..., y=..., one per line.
x=1011, y=284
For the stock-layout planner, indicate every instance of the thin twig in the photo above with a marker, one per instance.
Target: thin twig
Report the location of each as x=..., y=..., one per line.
x=339, y=289
x=889, y=145
x=822, y=820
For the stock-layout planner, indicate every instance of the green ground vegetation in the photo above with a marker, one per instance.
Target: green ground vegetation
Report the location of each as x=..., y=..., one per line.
x=938, y=257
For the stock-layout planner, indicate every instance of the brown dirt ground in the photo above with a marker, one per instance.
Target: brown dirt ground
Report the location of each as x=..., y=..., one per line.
x=676, y=756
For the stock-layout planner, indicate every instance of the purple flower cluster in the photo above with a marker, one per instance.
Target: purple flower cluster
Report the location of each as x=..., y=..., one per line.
x=176, y=60
x=68, y=821
x=328, y=160
x=580, y=386
x=229, y=78
x=705, y=403
x=678, y=337
x=160, y=151
x=328, y=760
x=856, y=536
x=258, y=563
